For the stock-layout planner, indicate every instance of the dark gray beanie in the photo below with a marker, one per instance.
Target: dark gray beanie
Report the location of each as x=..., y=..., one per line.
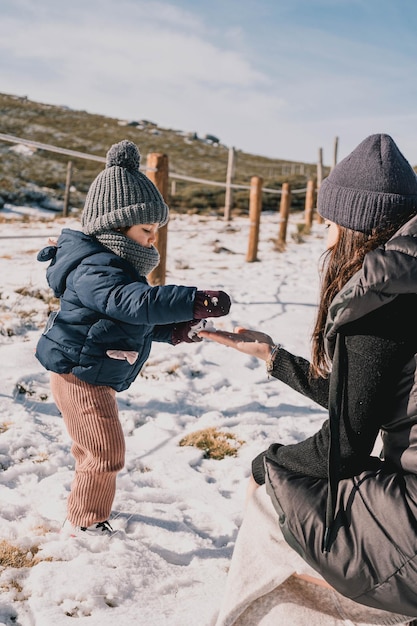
x=121, y=196
x=374, y=186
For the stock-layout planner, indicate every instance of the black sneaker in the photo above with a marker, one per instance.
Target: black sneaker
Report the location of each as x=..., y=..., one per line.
x=100, y=529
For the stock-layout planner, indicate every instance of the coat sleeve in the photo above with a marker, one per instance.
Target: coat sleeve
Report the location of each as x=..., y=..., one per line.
x=110, y=290
x=294, y=371
x=163, y=333
x=371, y=362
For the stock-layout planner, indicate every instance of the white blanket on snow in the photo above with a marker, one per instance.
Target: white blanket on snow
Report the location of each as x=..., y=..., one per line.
x=262, y=591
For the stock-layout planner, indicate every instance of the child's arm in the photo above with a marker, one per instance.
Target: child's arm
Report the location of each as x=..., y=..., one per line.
x=110, y=290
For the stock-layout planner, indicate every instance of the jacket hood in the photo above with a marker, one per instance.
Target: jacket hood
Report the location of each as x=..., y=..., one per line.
x=73, y=246
x=387, y=272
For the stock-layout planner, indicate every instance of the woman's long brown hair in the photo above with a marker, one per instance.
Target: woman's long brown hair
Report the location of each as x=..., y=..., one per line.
x=339, y=263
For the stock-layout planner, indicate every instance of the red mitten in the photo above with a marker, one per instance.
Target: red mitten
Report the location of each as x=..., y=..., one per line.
x=187, y=331
x=211, y=304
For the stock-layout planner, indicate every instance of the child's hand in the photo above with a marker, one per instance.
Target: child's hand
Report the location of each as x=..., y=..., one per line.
x=187, y=331
x=211, y=304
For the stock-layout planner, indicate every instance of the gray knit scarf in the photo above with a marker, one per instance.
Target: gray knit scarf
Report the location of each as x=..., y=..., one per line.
x=144, y=260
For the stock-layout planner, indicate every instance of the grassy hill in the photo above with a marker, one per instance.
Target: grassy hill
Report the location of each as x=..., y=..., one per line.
x=39, y=176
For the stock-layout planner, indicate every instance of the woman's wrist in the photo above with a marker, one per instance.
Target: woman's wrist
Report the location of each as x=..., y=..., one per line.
x=258, y=468
x=272, y=356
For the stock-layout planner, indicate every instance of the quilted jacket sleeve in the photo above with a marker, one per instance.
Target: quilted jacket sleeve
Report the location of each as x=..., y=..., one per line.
x=110, y=290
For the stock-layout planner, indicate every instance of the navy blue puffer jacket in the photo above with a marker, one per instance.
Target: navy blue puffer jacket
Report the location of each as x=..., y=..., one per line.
x=105, y=305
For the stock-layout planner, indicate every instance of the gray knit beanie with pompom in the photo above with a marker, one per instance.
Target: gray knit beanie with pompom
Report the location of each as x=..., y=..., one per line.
x=121, y=196
x=373, y=187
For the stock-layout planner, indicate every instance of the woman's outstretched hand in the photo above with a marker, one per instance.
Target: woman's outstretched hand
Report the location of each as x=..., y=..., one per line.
x=250, y=490
x=250, y=342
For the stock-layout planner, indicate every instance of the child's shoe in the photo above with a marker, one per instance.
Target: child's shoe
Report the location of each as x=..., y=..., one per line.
x=101, y=529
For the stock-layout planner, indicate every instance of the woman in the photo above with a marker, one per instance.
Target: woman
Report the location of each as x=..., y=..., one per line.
x=352, y=516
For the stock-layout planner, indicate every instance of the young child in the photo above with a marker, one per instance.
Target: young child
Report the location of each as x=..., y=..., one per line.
x=99, y=340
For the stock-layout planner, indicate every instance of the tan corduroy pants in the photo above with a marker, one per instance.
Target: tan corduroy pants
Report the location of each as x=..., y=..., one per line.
x=91, y=417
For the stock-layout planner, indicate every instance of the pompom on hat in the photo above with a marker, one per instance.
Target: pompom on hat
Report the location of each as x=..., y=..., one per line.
x=373, y=187
x=121, y=196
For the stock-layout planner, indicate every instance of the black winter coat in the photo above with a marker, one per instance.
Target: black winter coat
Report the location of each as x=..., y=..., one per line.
x=351, y=516
x=105, y=305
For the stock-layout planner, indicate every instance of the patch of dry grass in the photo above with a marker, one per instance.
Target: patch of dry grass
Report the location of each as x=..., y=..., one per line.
x=45, y=295
x=28, y=389
x=12, y=556
x=216, y=444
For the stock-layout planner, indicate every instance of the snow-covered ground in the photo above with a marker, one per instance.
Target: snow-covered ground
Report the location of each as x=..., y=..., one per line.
x=176, y=511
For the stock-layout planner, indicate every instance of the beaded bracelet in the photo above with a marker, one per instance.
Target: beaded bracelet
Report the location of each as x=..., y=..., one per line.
x=271, y=358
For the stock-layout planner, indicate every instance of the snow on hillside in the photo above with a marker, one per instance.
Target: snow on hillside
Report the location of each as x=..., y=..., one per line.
x=177, y=513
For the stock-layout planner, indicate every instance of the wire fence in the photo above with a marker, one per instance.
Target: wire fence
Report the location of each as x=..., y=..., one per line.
x=75, y=154
x=157, y=170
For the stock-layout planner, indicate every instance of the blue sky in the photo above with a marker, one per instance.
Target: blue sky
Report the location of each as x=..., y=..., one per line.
x=280, y=78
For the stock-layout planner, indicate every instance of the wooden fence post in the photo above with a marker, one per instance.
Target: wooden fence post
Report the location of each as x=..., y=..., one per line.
x=157, y=172
x=319, y=180
x=255, y=208
x=229, y=178
x=284, y=211
x=67, y=189
x=335, y=147
x=310, y=204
